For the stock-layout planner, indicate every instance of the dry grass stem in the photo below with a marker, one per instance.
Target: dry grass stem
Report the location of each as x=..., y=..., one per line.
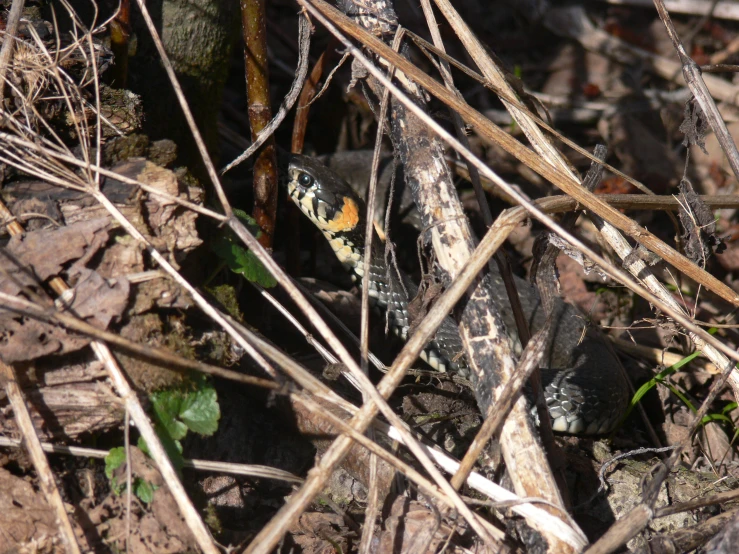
x=43, y=471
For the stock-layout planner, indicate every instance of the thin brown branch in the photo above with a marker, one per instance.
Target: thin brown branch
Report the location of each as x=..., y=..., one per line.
x=254, y=29
x=494, y=419
x=290, y=98
x=302, y=110
x=702, y=502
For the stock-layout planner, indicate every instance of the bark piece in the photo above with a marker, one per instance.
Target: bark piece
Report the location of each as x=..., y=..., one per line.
x=32, y=258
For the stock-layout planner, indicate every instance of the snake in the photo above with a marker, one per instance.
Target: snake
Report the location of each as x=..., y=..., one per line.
x=584, y=391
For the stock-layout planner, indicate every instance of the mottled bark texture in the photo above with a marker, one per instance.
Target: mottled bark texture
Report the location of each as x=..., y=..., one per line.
x=197, y=35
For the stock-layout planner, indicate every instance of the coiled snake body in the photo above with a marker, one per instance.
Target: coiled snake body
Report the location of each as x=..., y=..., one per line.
x=583, y=388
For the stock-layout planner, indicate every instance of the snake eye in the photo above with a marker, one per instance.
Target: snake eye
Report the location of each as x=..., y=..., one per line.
x=305, y=180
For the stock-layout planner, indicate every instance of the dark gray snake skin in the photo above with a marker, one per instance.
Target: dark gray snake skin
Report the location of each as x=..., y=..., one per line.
x=583, y=388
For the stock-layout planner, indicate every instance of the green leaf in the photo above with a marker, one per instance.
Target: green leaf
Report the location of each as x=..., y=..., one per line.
x=143, y=446
x=167, y=406
x=256, y=272
x=172, y=447
x=239, y=259
x=144, y=490
x=200, y=411
x=243, y=261
x=248, y=220
x=179, y=411
x=115, y=459
x=716, y=417
x=659, y=378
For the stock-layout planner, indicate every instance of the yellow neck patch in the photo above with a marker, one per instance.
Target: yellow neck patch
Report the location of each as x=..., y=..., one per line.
x=345, y=219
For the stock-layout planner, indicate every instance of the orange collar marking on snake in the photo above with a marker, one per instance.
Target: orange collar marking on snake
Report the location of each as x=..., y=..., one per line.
x=346, y=218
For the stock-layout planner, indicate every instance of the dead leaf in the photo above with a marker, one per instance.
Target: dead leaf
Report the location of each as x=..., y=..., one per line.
x=699, y=227
x=30, y=259
x=45, y=252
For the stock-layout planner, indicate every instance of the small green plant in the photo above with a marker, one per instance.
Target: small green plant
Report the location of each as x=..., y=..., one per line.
x=723, y=417
x=228, y=247
x=143, y=490
x=660, y=378
x=176, y=412
x=114, y=460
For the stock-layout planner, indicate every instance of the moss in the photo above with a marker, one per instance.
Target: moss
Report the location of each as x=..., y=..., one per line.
x=226, y=296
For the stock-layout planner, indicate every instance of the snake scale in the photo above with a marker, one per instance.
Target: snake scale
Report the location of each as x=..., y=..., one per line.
x=584, y=391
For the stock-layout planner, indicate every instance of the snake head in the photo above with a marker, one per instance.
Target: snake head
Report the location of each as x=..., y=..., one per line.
x=327, y=200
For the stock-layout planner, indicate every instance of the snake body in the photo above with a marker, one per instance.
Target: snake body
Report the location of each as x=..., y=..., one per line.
x=583, y=388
